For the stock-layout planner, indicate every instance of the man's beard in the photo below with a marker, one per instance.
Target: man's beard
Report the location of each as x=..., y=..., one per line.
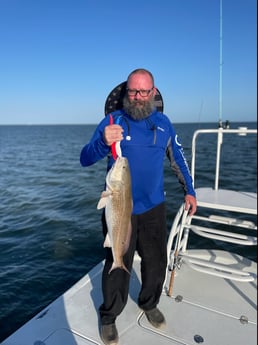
x=138, y=109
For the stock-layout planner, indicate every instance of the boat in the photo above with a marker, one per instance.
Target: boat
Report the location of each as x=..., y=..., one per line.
x=209, y=295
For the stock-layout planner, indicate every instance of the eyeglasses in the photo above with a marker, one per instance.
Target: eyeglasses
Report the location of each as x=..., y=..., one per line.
x=143, y=93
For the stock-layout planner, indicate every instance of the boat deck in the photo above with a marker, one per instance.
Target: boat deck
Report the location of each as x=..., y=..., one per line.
x=73, y=318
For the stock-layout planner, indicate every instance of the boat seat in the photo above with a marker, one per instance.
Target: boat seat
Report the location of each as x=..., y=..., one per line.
x=207, y=264
x=229, y=200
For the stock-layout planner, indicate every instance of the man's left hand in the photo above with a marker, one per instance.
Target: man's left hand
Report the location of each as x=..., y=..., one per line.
x=190, y=204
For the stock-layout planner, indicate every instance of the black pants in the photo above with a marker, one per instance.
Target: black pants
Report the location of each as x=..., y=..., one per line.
x=149, y=239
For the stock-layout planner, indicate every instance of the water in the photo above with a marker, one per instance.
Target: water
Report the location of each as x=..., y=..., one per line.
x=50, y=230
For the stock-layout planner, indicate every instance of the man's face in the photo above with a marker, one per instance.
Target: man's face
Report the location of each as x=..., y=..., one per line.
x=139, y=100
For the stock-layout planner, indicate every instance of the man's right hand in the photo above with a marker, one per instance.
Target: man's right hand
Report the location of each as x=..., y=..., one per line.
x=113, y=133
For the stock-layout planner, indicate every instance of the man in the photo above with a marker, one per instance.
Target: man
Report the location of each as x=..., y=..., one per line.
x=145, y=136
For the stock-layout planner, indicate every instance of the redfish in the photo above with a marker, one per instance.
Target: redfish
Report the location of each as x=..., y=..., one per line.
x=117, y=200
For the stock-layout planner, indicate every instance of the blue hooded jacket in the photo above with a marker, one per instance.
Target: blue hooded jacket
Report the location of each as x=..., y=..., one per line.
x=146, y=143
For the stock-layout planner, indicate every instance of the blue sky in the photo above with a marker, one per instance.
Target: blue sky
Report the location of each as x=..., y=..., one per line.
x=59, y=59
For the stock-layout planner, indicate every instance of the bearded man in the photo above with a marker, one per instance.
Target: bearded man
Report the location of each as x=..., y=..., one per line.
x=146, y=136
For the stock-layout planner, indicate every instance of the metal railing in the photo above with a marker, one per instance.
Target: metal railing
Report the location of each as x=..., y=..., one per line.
x=220, y=133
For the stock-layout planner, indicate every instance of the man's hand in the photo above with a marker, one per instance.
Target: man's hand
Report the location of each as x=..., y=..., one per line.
x=190, y=204
x=113, y=133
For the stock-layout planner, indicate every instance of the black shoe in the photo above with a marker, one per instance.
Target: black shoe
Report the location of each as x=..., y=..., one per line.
x=109, y=334
x=155, y=317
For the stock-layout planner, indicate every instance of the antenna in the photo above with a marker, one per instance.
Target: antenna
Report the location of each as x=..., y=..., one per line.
x=220, y=68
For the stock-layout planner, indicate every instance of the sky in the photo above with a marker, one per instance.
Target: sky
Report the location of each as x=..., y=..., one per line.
x=59, y=59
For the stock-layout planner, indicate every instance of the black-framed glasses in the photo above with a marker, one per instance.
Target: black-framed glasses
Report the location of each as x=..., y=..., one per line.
x=143, y=93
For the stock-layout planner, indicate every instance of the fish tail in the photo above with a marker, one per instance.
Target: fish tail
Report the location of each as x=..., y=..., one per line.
x=122, y=266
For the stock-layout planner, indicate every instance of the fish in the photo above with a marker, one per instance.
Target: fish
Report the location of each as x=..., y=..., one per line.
x=117, y=200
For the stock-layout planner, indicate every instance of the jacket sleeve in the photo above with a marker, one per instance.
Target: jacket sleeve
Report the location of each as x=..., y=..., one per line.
x=96, y=149
x=179, y=164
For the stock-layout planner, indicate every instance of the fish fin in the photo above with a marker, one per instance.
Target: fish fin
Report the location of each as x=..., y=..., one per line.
x=107, y=242
x=103, y=199
x=114, y=266
x=102, y=203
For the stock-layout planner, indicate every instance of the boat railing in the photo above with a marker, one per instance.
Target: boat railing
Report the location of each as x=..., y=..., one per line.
x=242, y=131
x=222, y=216
x=178, y=244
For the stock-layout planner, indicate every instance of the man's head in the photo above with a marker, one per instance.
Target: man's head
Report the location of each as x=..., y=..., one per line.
x=140, y=92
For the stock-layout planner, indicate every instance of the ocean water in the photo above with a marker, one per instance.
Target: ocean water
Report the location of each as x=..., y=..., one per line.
x=50, y=230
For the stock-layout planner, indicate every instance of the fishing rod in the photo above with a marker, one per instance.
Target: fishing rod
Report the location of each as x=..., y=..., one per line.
x=177, y=249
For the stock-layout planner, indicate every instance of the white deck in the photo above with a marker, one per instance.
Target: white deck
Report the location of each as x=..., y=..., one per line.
x=73, y=318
